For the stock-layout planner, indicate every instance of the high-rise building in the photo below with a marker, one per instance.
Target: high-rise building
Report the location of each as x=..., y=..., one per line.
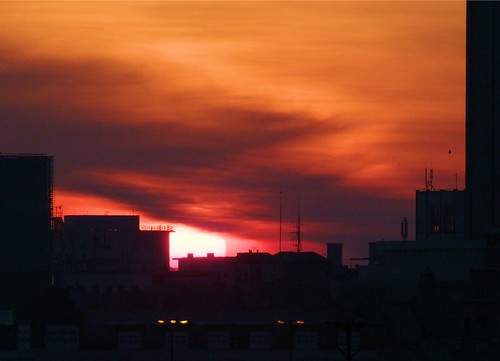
x=482, y=203
x=26, y=190
x=439, y=215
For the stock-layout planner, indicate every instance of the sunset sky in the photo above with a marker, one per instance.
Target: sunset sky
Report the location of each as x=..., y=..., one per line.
x=198, y=113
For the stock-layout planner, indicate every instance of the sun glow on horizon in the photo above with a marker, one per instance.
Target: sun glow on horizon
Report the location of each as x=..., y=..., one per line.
x=183, y=240
x=189, y=240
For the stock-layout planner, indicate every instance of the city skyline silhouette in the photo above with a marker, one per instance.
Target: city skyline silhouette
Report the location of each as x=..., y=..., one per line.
x=99, y=286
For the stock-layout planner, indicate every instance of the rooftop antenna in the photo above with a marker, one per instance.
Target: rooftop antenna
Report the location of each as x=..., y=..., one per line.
x=404, y=228
x=298, y=233
x=428, y=180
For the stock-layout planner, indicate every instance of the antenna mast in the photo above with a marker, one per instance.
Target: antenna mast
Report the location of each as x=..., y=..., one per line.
x=404, y=229
x=299, y=245
x=296, y=234
x=281, y=211
x=428, y=180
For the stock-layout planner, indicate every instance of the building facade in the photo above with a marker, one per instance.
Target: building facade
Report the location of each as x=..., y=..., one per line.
x=26, y=192
x=483, y=120
x=105, y=255
x=439, y=215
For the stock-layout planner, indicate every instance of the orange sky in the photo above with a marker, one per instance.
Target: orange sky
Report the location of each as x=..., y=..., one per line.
x=200, y=113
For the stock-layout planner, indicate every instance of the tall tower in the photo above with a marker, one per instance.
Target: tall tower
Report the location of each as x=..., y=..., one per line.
x=26, y=190
x=482, y=202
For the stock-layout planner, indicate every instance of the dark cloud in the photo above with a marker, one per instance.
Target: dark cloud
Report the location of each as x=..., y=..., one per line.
x=83, y=112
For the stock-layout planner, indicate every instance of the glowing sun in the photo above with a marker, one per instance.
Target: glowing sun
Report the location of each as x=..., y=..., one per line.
x=187, y=239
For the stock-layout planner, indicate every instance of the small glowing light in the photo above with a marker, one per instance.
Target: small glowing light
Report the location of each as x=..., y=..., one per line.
x=173, y=322
x=280, y=322
x=160, y=322
x=184, y=322
x=299, y=322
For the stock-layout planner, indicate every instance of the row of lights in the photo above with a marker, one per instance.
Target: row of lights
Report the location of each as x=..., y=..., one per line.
x=185, y=322
x=295, y=322
x=172, y=322
x=279, y=322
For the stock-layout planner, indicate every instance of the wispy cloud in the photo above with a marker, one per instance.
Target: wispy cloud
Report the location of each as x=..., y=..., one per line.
x=203, y=113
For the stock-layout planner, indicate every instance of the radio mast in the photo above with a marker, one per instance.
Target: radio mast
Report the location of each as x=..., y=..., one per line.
x=281, y=211
x=298, y=235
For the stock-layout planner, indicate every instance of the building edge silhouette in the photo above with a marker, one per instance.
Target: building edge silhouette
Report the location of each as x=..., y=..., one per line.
x=26, y=193
x=483, y=121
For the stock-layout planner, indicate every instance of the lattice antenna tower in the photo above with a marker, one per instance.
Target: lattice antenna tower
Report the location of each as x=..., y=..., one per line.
x=298, y=232
x=428, y=180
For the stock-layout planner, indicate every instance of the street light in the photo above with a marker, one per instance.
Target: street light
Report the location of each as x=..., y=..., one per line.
x=349, y=339
x=291, y=324
x=172, y=323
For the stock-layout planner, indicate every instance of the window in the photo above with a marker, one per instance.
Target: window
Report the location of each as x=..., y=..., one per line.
x=434, y=218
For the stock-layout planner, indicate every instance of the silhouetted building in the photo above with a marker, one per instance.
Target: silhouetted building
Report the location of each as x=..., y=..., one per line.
x=334, y=253
x=399, y=260
x=105, y=255
x=483, y=120
x=26, y=191
x=295, y=280
x=439, y=215
x=115, y=243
